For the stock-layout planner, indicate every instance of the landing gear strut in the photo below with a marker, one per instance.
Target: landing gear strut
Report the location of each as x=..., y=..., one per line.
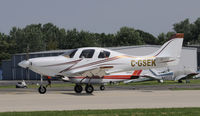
x=89, y=89
x=102, y=87
x=42, y=89
x=78, y=88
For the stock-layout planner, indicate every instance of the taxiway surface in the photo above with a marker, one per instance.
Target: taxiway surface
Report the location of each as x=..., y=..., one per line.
x=115, y=99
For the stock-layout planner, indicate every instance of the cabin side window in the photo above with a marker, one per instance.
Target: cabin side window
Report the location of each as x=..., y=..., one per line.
x=88, y=53
x=70, y=54
x=104, y=54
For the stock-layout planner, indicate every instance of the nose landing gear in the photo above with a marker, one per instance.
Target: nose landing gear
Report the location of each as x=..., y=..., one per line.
x=42, y=89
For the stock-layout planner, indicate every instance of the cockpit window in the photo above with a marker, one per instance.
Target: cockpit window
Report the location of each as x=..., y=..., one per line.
x=104, y=54
x=88, y=53
x=70, y=54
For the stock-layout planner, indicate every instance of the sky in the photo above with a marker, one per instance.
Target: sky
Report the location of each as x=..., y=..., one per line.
x=153, y=16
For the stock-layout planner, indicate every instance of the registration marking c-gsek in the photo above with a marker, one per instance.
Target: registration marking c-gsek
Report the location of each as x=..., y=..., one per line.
x=144, y=62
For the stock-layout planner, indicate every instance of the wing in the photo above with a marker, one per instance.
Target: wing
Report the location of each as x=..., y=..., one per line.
x=141, y=79
x=150, y=77
x=93, y=72
x=96, y=71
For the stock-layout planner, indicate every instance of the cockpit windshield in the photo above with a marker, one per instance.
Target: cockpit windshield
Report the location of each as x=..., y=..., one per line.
x=70, y=53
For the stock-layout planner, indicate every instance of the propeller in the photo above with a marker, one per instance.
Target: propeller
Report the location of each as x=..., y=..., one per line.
x=25, y=63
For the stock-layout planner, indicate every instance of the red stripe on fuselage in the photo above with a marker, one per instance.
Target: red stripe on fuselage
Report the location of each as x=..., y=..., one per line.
x=137, y=73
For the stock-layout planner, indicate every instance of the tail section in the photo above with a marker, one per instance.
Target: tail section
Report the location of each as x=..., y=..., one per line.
x=171, y=48
x=169, y=54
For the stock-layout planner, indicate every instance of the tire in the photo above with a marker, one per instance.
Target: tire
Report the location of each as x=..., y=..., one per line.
x=102, y=87
x=180, y=81
x=89, y=89
x=78, y=88
x=25, y=87
x=42, y=89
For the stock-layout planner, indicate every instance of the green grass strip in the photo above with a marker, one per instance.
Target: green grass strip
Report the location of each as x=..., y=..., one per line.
x=120, y=112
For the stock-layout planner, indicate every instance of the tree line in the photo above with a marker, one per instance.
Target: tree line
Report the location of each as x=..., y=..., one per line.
x=38, y=37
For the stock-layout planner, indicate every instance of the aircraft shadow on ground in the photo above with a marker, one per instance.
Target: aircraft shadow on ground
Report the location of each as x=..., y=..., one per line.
x=79, y=94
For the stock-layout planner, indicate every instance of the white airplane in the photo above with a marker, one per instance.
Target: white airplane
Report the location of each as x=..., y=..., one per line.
x=92, y=62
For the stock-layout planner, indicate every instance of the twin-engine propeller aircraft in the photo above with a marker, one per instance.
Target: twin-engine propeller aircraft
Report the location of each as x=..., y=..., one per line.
x=94, y=63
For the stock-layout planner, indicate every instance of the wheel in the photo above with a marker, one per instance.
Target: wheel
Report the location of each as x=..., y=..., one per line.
x=180, y=81
x=42, y=89
x=160, y=81
x=78, y=88
x=102, y=87
x=89, y=89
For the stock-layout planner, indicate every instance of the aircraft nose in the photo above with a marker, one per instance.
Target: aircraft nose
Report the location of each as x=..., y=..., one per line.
x=24, y=63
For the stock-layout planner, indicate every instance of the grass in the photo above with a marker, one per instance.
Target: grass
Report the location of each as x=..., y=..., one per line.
x=36, y=86
x=193, y=81
x=118, y=112
x=7, y=86
x=196, y=81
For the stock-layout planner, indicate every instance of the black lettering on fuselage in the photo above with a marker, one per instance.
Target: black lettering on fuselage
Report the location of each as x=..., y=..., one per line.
x=145, y=62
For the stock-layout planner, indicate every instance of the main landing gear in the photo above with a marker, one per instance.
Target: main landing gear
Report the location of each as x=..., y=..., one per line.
x=88, y=88
x=78, y=88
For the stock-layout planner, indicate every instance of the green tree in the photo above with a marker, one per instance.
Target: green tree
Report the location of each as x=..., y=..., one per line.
x=195, y=30
x=147, y=37
x=107, y=40
x=30, y=36
x=4, y=47
x=184, y=27
x=51, y=36
x=128, y=36
x=162, y=37
x=71, y=40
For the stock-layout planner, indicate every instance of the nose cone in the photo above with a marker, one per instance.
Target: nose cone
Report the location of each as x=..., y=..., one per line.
x=24, y=64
